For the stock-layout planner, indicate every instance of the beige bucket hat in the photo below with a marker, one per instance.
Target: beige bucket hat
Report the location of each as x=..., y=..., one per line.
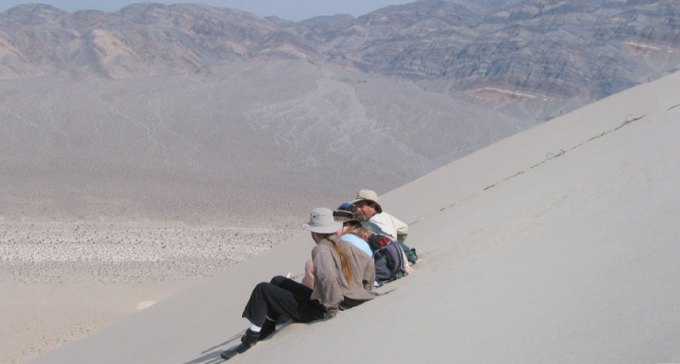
x=321, y=221
x=368, y=195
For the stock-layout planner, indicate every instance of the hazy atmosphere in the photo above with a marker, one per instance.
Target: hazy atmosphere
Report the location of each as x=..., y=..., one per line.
x=286, y=9
x=146, y=147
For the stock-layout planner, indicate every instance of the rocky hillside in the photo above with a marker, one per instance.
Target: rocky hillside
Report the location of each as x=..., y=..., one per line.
x=544, y=54
x=245, y=140
x=191, y=112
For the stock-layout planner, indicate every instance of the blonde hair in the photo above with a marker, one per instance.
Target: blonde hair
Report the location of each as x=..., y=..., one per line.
x=359, y=230
x=344, y=258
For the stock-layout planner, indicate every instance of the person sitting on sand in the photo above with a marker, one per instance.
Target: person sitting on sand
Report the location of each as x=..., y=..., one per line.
x=344, y=278
x=352, y=232
x=372, y=215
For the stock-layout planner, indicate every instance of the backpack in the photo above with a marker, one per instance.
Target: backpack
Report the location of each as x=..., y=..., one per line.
x=410, y=252
x=388, y=257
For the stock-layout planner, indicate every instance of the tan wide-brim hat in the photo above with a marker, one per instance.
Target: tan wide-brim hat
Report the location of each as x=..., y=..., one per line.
x=321, y=221
x=368, y=195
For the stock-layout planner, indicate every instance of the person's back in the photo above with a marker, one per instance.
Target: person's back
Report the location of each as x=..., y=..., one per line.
x=331, y=287
x=357, y=242
x=386, y=224
x=352, y=232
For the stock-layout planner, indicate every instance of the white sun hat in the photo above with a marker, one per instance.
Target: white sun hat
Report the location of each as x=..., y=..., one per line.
x=321, y=221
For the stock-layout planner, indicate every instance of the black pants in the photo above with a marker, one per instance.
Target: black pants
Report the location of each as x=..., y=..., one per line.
x=282, y=297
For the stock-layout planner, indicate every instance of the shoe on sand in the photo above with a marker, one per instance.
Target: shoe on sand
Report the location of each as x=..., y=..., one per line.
x=268, y=328
x=250, y=338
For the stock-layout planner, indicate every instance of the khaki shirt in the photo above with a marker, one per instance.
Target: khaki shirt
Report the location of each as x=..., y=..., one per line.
x=386, y=224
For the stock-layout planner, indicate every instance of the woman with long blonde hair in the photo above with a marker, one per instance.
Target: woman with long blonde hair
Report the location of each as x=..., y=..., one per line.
x=344, y=278
x=351, y=232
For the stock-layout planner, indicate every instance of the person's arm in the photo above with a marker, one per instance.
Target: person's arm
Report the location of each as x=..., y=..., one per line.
x=407, y=266
x=308, y=279
x=402, y=229
x=369, y=274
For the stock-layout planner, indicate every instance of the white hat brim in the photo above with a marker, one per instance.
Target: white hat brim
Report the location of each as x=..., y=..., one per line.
x=330, y=229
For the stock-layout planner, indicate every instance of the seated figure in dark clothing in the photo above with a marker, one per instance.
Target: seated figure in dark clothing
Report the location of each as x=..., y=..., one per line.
x=344, y=278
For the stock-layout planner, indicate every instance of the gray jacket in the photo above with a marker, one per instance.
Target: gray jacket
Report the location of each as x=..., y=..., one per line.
x=330, y=286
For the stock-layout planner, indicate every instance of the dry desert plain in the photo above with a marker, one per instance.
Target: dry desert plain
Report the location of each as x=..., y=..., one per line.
x=61, y=281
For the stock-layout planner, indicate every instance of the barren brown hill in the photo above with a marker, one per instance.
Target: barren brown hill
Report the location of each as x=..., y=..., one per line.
x=193, y=112
x=242, y=141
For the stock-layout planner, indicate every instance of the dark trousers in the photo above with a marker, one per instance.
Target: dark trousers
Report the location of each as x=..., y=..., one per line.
x=282, y=297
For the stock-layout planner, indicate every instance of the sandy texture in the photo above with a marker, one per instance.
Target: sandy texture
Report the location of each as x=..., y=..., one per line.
x=559, y=244
x=38, y=317
x=61, y=281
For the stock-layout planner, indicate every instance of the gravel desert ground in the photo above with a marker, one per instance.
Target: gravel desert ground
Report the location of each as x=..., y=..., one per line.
x=61, y=281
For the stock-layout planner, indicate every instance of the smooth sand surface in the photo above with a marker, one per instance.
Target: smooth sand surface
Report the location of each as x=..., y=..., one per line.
x=560, y=244
x=38, y=317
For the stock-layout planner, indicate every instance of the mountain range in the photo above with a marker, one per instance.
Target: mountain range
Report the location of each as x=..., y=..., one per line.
x=519, y=49
x=180, y=110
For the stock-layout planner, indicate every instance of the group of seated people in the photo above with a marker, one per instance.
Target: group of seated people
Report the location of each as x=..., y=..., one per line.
x=341, y=273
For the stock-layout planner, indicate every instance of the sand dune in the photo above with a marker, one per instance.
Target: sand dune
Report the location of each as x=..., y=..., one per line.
x=559, y=244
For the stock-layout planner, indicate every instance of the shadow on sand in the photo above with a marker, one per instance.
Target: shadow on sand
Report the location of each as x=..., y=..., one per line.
x=211, y=355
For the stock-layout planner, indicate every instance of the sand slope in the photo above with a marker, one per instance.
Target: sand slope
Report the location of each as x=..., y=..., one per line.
x=560, y=244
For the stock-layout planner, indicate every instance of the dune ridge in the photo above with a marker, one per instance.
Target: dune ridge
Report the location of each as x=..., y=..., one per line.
x=558, y=244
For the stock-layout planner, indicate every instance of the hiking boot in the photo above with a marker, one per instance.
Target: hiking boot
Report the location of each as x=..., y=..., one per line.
x=250, y=338
x=268, y=328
